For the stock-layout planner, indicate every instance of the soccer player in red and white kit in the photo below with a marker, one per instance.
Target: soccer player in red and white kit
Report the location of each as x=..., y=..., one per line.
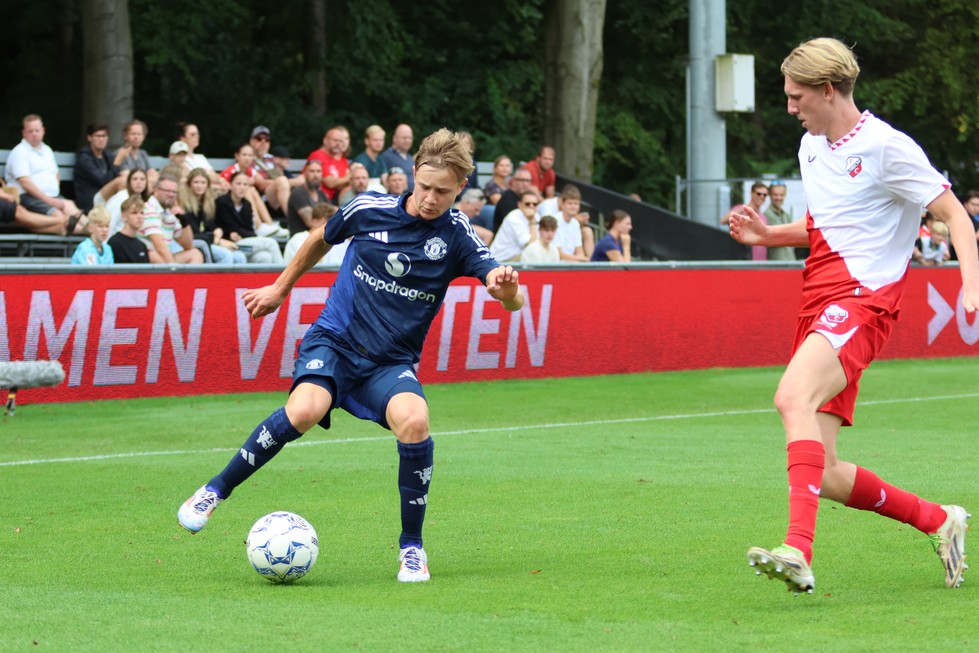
x=865, y=184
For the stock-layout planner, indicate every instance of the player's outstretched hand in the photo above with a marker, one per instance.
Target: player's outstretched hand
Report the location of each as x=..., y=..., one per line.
x=970, y=298
x=262, y=301
x=503, y=284
x=747, y=227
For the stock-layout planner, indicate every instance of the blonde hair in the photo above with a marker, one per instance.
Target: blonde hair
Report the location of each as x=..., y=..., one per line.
x=100, y=216
x=132, y=203
x=190, y=202
x=822, y=60
x=445, y=149
x=374, y=130
x=937, y=228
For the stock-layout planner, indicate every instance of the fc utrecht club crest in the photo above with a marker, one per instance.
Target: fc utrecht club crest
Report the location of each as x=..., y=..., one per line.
x=435, y=248
x=833, y=316
x=854, y=165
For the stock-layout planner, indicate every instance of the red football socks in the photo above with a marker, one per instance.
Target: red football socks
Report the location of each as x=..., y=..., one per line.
x=806, y=459
x=871, y=493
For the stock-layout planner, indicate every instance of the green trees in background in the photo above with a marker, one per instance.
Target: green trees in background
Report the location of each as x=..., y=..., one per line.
x=300, y=67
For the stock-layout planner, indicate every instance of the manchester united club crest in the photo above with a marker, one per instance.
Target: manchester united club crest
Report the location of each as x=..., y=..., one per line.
x=435, y=248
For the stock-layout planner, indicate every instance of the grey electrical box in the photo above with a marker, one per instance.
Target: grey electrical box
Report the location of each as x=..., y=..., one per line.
x=734, y=88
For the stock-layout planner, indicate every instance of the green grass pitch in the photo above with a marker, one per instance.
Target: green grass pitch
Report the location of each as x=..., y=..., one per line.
x=591, y=514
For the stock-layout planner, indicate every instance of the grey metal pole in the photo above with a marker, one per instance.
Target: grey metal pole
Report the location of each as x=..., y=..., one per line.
x=707, y=135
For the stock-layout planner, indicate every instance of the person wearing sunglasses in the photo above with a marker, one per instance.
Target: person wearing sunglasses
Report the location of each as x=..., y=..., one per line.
x=518, y=230
x=759, y=193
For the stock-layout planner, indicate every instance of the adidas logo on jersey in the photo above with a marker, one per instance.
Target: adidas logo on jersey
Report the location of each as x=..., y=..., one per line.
x=408, y=374
x=379, y=235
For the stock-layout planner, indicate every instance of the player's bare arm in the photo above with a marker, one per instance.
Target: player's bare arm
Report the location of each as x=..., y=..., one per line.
x=747, y=227
x=503, y=284
x=949, y=210
x=261, y=301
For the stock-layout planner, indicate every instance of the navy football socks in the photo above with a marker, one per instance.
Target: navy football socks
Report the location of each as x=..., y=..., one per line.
x=414, y=475
x=262, y=445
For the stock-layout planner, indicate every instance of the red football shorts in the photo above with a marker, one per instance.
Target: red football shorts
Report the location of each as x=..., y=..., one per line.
x=858, y=332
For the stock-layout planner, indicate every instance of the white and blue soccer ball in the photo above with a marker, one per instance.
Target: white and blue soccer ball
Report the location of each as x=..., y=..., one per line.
x=282, y=547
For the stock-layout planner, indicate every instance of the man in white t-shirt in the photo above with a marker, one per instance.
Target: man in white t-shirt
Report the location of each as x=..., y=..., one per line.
x=865, y=183
x=568, y=236
x=519, y=229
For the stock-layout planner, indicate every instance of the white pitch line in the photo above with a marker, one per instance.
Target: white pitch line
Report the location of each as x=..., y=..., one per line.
x=499, y=429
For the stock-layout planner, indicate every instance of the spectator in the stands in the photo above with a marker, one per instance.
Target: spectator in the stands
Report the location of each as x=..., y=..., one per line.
x=759, y=193
x=472, y=180
x=191, y=135
x=934, y=248
x=358, y=183
x=270, y=183
x=305, y=197
x=15, y=215
x=471, y=204
x=126, y=247
x=542, y=171
x=377, y=169
x=161, y=231
x=32, y=169
x=132, y=155
x=399, y=154
x=587, y=233
x=544, y=249
x=616, y=245
x=521, y=182
x=96, y=177
x=776, y=213
x=497, y=185
x=336, y=166
x=179, y=154
x=569, y=240
x=281, y=161
x=94, y=250
x=320, y=214
x=245, y=163
x=971, y=205
x=198, y=200
x=137, y=183
x=234, y=215
x=397, y=181
x=518, y=230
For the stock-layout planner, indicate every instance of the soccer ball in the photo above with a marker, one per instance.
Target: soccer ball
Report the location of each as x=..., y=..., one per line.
x=282, y=547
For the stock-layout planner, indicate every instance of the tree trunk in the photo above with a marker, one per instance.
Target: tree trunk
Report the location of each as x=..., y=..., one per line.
x=317, y=54
x=573, y=73
x=108, y=71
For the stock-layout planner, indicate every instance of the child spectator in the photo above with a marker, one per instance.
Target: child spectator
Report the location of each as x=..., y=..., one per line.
x=94, y=250
x=934, y=248
x=126, y=247
x=544, y=249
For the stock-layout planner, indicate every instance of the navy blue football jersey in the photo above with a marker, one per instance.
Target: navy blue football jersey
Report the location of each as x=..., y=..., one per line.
x=395, y=274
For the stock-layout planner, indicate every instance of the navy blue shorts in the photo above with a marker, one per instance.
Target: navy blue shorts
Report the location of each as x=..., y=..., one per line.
x=360, y=386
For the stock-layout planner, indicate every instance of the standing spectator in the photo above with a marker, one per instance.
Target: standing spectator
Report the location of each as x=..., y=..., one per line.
x=865, y=183
x=397, y=181
x=776, y=214
x=759, y=193
x=131, y=155
x=234, y=216
x=568, y=237
x=336, y=167
x=544, y=249
x=198, y=200
x=358, y=183
x=191, y=136
x=94, y=250
x=399, y=154
x=521, y=182
x=471, y=203
x=542, y=171
x=497, y=185
x=95, y=175
x=615, y=246
x=126, y=247
x=161, y=232
x=33, y=171
x=377, y=169
x=137, y=184
x=518, y=230
x=321, y=214
x=303, y=198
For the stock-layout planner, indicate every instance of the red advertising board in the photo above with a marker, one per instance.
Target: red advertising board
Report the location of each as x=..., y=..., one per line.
x=184, y=333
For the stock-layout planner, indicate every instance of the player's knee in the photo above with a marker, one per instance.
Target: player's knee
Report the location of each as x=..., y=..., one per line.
x=412, y=426
x=304, y=415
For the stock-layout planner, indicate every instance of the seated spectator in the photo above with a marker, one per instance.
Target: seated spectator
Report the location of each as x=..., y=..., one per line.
x=235, y=217
x=934, y=248
x=616, y=245
x=304, y=198
x=137, y=184
x=399, y=155
x=245, y=163
x=568, y=237
x=198, y=200
x=94, y=250
x=471, y=204
x=179, y=154
x=542, y=171
x=518, y=230
x=12, y=213
x=280, y=162
x=497, y=185
x=131, y=155
x=358, y=183
x=270, y=183
x=397, y=181
x=96, y=178
x=191, y=135
x=320, y=215
x=377, y=169
x=971, y=205
x=759, y=193
x=161, y=231
x=520, y=183
x=332, y=155
x=472, y=179
x=32, y=169
x=126, y=247
x=544, y=249
x=587, y=234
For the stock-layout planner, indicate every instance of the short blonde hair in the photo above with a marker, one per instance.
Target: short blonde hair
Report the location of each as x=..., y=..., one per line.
x=822, y=60
x=100, y=216
x=132, y=203
x=374, y=130
x=939, y=228
x=445, y=149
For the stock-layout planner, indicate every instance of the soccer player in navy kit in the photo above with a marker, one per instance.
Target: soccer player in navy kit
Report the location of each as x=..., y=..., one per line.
x=360, y=353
